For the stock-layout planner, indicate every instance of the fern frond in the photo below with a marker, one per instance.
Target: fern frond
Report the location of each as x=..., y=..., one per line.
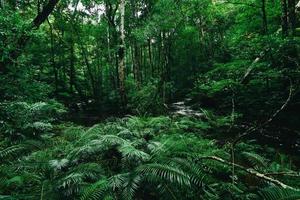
x=195, y=172
x=275, y=193
x=58, y=164
x=131, y=186
x=20, y=149
x=117, y=181
x=253, y=159
x=97, y=145
x=96, y=191
x=154, y=172
x=12, y=150
x=131, y=153
x=91, y=171
x=71, y=179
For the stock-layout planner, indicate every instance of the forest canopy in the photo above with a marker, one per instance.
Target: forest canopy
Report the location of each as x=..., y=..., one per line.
x=149, y=99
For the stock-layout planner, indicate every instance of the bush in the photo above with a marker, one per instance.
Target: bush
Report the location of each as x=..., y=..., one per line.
x=22, y=119
x=147, y=100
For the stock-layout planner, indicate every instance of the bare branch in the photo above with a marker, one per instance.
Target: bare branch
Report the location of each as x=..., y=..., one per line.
x=252, y=129
x=251, y=67
x=251, y=171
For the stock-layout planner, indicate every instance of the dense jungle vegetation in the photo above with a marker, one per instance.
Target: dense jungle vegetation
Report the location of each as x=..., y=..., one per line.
x=149, y=99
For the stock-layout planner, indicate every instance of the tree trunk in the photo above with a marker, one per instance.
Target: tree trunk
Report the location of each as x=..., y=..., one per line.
x=150, y=57
x=264, y=17
x=121, y=54
x=99, y=72
x=284, y=18
x=72, y=68
x=292, y=16
x=53, y=58
x=137, y=73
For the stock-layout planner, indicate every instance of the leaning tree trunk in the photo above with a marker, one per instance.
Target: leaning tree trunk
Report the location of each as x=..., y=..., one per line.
x=121, y=55
x=23, y=39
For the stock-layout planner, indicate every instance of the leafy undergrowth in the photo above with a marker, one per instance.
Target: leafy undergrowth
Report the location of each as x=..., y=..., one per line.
x=140, y=158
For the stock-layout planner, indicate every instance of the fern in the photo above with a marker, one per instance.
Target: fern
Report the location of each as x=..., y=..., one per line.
x=59, y=164
x=155, y=172
x=96, y=191
x=73, y=178
x=131, y=153
x=196, y=173
x=253, y=159
x=13, y=150
x=131, y=186
x=275, y=193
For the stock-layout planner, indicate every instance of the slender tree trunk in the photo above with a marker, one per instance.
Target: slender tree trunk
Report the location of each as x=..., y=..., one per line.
x=100, y=72
x=121, y=54
x=112, y=38
x=137, y=65
x=72, y=68
x=53, y=58
x=142, y=65
x=110, y=60
x=284, y=18
x=89, y=70
x=264, y=17
x=292, y=16
x=150, y=57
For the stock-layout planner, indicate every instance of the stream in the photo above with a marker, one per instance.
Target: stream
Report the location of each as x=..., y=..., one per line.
x=182, y=109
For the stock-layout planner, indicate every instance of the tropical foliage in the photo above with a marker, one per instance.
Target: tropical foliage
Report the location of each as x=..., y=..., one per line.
x=149, y=99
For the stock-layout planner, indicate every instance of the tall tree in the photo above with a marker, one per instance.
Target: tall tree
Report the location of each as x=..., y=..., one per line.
x=292, y=16
x=121, y=54
x=264, y=17
x=284, y=18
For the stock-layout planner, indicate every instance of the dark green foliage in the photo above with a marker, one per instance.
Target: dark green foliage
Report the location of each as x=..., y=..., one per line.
x=118, y=160
x=276, y=193
x=194, y=99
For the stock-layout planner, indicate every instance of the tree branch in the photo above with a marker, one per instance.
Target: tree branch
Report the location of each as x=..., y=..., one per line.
x=251, y=67
x=252, y=129
x=250, y=171
x=23, y=39
x=42, y=16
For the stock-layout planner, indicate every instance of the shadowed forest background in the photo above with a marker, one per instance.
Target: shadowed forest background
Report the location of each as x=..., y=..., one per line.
x=149, y=99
